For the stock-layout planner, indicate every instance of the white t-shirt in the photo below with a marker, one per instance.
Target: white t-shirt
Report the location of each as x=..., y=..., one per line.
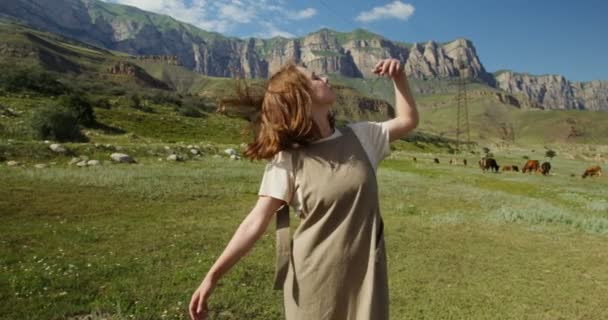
x=278, y=181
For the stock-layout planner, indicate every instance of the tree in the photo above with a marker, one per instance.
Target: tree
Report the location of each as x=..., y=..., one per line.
x=550, y=154
x=80, y=107
x=56, y=123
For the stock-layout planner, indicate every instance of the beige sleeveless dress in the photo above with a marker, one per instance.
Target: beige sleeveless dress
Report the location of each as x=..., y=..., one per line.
x=334, y=267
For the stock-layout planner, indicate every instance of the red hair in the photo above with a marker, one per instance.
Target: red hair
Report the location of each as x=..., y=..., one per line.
x=284, y=113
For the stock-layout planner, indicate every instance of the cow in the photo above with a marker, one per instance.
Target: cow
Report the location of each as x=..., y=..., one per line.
x=464, y=161
x=509, y=168
x=593, y=171
x=436, y=160
x=544, y=168
x=488, y=164
x=530, y=166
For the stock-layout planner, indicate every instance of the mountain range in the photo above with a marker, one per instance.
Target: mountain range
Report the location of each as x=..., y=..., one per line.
x=349, y=54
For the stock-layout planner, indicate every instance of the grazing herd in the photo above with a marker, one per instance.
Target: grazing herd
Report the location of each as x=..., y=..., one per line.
x=490, y=164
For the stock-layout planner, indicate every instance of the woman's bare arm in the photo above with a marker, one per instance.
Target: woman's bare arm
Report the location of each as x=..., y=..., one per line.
x=250, y=230
x=406, y=113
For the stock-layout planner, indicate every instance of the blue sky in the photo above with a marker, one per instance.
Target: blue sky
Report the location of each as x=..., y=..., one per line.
x=535, y=36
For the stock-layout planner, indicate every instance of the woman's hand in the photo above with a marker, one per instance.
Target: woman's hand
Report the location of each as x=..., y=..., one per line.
x=198, y=304
x=389, y=67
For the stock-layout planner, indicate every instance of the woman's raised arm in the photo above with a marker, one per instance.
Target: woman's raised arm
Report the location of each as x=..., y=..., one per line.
x=406, y=113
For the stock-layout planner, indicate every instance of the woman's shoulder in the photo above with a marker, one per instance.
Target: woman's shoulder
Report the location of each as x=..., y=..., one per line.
x=282, y=158
x=367, y=128
x=365, y=125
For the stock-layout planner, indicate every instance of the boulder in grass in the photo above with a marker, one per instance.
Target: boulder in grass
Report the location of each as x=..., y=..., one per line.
x=195, y=151
x=40, y=166
x=56, y=147
x=175, y=157
x=12, y=163
x=74, y=161
x=122, y=158
x=93, y=163
x=235, y=157
x=82, y=164
x=231, y=152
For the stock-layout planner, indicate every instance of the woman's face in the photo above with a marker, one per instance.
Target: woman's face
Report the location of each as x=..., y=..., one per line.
x=322, y=94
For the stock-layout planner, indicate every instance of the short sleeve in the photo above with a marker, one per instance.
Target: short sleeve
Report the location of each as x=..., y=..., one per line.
x=374, y=138
x=278, y=181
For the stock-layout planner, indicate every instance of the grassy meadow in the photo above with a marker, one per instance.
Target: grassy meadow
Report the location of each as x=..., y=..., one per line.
x=120, y=241
x=134, y=241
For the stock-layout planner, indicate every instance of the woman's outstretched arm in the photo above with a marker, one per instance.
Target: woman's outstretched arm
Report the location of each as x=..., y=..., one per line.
x=406, y=113
x=250, y=230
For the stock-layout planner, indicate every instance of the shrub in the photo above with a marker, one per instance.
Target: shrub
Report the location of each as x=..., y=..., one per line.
x=136, y=102
x=18, y=80
x=80, y=107
x=165, y=98
x=103, y=103
x=189, y=111
x=56, y=123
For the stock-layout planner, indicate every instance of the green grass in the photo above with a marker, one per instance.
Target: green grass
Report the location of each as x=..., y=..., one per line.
x=134, y=241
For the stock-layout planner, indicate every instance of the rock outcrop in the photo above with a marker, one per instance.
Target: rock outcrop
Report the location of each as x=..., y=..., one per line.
x=555, y=91
x=139, y=74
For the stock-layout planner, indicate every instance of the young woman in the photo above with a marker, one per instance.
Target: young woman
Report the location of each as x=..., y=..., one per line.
x=334, y=266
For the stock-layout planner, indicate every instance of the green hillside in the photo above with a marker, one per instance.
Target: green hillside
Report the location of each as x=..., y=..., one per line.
x=186, y=112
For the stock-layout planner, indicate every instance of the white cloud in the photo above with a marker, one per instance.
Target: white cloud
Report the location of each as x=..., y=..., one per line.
x=236, y=13
x=273, y=31
x=224, y=15
x=302, y=14
x=394, y=10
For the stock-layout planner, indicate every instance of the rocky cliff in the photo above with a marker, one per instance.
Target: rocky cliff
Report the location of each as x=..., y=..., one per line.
x=555, y=91
x=351, y=54
x=138, y=32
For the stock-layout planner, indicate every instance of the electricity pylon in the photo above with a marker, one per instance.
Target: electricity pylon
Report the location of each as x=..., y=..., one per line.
x=462, y=113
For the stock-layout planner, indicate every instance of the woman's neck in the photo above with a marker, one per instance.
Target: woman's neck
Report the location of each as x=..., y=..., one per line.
x=322, y=122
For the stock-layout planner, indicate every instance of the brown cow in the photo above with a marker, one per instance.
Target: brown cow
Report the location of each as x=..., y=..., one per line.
x=530, y=166
x=593, y=171
x=510, y=168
